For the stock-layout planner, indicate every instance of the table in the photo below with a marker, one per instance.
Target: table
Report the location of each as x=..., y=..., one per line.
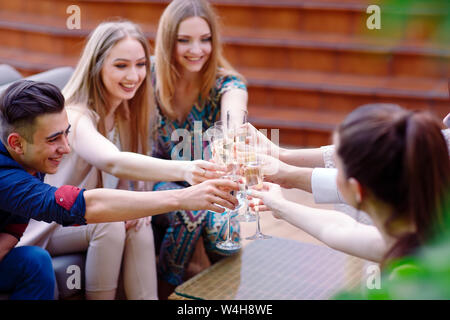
x=276, y=269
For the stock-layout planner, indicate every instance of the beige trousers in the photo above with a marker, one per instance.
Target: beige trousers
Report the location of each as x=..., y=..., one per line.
x=110, y=249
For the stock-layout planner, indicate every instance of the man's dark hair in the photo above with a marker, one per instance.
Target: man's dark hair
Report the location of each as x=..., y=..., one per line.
x=22, y=102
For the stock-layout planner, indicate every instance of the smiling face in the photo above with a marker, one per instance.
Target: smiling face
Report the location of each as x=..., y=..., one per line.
x=49, y=143
x=194, y=46
x=124, y=70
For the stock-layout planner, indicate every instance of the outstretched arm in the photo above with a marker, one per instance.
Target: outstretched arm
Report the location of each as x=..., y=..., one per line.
x=287, y=176
x=107, y=205
x=334, y=228
x=89, y=144
x=233, y=100
x=69, y=205
x=321, y=182
x=311, y=158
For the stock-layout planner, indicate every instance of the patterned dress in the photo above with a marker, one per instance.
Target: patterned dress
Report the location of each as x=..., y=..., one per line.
x=177, y=232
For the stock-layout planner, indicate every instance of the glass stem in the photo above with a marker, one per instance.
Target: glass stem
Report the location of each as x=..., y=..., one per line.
x=229, y=226
x=258, y=227
x=247, y=207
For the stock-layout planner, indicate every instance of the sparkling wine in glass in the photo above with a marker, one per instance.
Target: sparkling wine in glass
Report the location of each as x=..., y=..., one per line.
x=229, y=244
x=254, y=177
x=237, y=128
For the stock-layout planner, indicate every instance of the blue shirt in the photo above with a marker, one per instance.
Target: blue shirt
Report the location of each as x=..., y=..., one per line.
x=24, y=197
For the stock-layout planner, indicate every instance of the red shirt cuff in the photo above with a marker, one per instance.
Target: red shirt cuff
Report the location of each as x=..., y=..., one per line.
x=66, y=196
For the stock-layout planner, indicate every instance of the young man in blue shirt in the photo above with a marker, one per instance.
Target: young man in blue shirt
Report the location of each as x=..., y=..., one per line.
x=33, y=134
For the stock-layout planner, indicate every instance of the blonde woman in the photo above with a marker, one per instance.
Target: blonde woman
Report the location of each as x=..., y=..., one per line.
x=108, y=101
x=194, y=87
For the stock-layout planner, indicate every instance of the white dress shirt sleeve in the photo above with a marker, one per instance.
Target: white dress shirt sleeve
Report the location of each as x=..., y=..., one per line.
x=324, y=187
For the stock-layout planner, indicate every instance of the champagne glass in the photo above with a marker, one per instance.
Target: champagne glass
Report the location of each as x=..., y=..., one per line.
x=236, y=122
x=217, y=143
x=229, y=244
x=234, y=166
x=233, y=173
x=253, y=172
x=215, y=136
x=221, y=151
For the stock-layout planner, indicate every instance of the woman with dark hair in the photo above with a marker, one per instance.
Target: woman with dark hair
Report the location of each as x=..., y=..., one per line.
x=394, y=165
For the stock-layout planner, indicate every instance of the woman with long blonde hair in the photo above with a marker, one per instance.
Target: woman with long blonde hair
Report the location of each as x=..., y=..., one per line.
x=194, y=87
x=108, y=101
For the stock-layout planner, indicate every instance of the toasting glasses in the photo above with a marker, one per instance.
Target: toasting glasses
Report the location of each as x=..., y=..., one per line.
x=253, y=173
x=236, y=123
x=234, y=145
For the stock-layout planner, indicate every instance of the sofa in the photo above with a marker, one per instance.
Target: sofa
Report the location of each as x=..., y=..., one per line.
x=61, y=264
x=57, y=76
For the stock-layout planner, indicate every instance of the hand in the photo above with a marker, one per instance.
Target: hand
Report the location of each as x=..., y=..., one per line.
x=265, y=146
x=206, y=195
x=137, y=223
x=271, y=197
x=276, y=171
x=198, y=171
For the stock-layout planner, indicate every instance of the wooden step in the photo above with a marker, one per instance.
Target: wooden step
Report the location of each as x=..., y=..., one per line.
x=335, y=53
x=31, y=35
x=91, y=11
x=253, y=48
x=317, y=16
x=297, y=126
x=301, y=138
x=307, y=111
x=49, y=34
x=340, y=17
x=343, y=93
x=311, y=90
